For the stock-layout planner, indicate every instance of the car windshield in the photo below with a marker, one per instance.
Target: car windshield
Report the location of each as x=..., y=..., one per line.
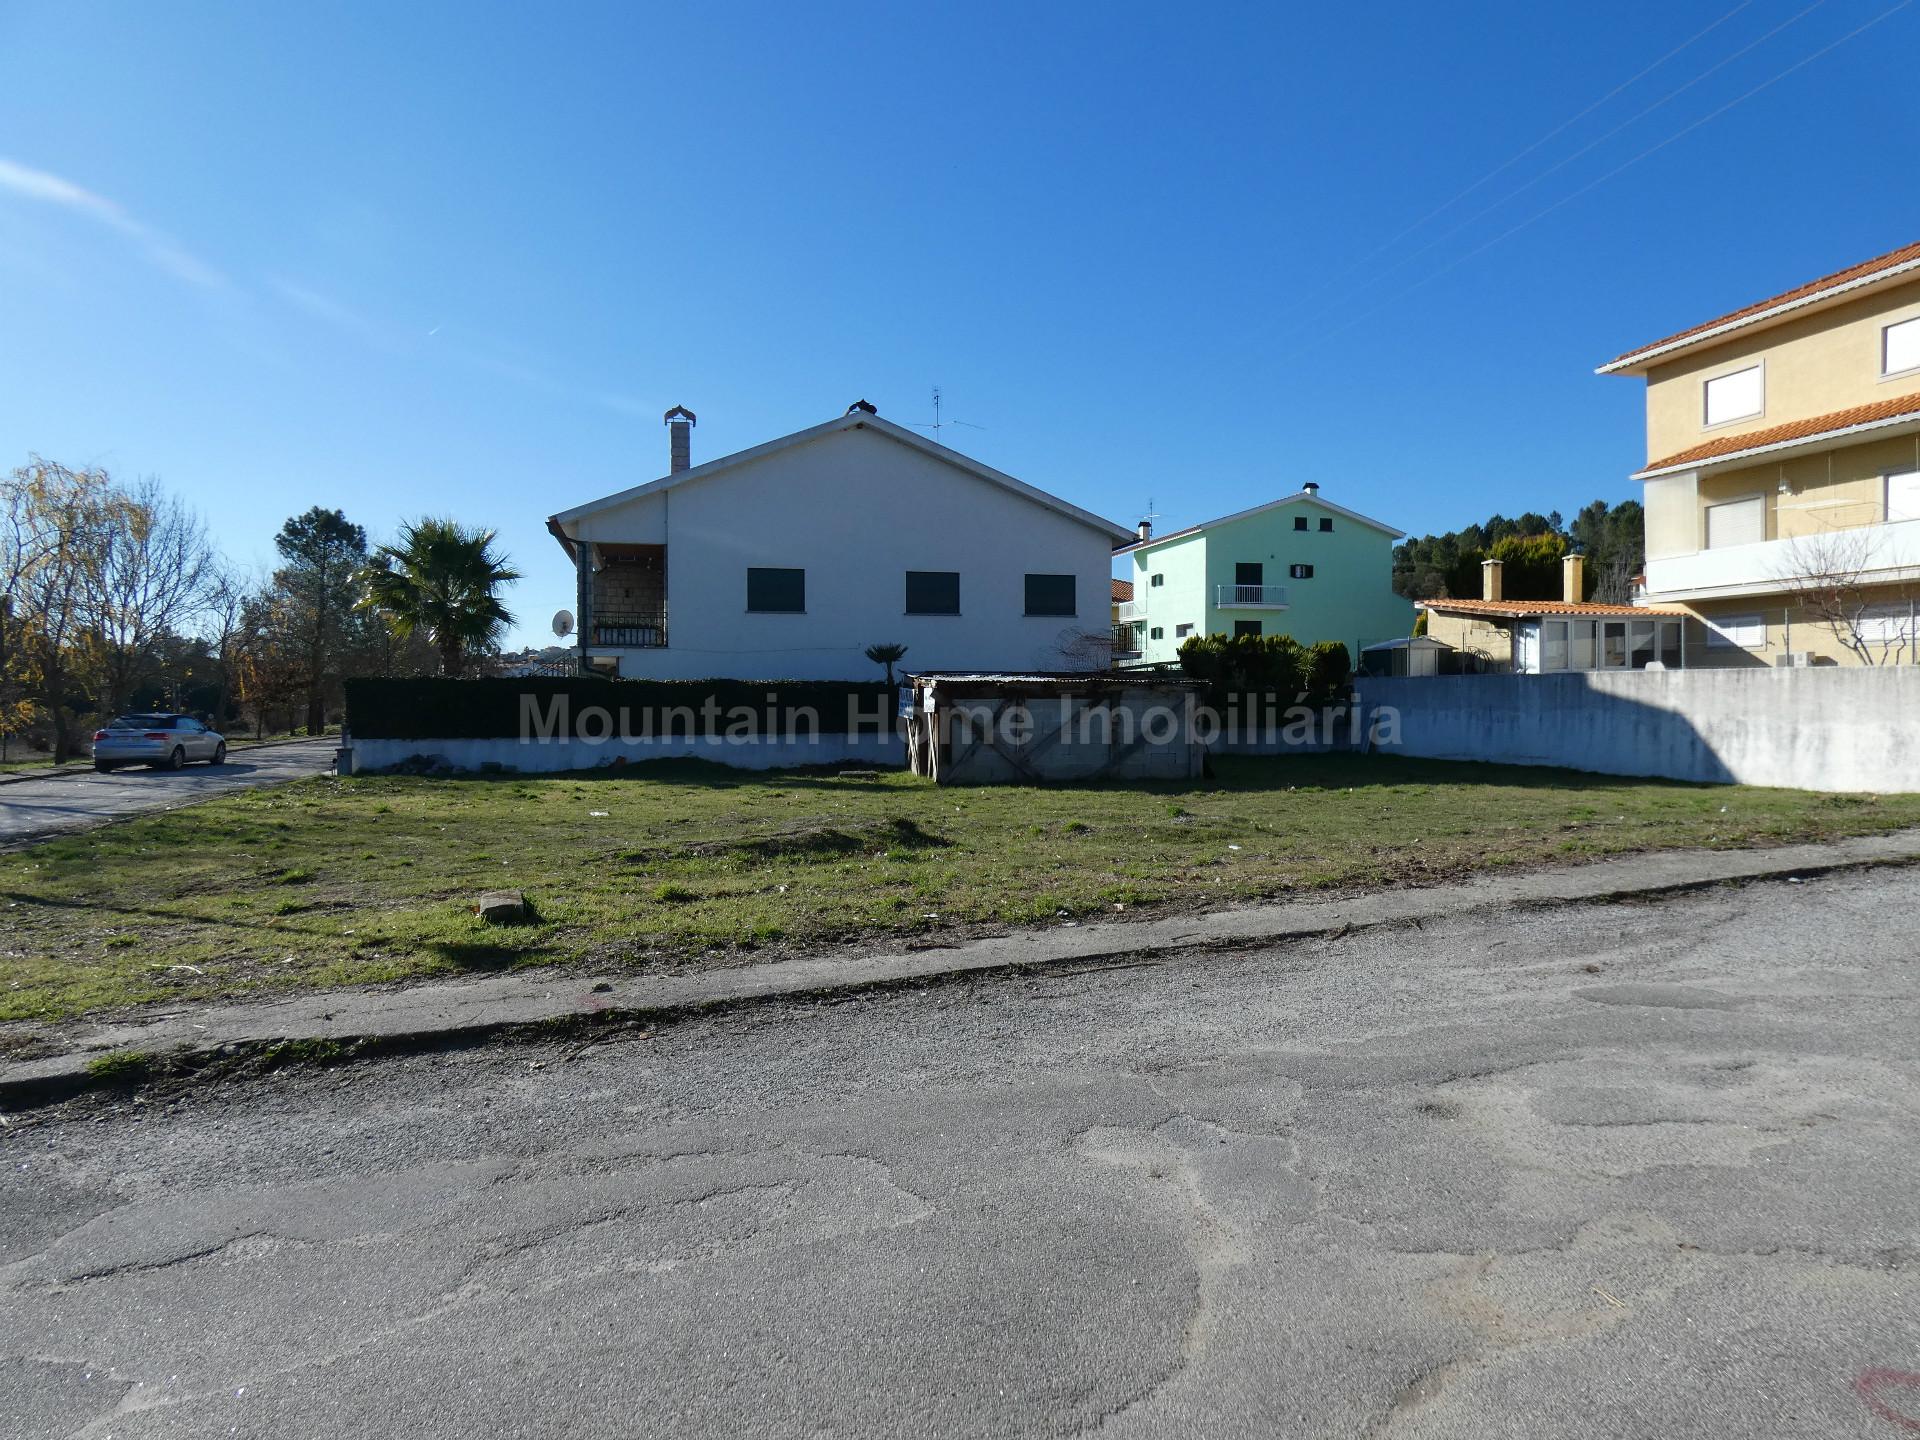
x=143, y=722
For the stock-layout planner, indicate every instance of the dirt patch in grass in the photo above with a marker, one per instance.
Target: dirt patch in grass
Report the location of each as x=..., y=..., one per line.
x=369, y=880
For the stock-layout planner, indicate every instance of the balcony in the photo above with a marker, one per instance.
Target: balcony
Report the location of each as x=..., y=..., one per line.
x=1876, y=552
x=1128, y=611
x=631, y=631
x=1250, y=597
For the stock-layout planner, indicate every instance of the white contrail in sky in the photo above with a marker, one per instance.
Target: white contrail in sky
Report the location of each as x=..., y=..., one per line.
x=48, y=189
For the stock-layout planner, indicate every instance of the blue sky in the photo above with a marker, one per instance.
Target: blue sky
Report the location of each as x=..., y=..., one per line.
x=421, y=258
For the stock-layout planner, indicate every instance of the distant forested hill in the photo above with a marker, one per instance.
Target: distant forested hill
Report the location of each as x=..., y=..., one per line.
x=1530, y=546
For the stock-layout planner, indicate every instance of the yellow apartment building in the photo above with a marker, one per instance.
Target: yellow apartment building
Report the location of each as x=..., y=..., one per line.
x=1783, y=473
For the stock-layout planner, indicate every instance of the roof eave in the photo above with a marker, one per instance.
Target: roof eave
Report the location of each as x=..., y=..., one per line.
x=1390, y=531
x=1638, y=362
x=1821, y=441
x=853, y=420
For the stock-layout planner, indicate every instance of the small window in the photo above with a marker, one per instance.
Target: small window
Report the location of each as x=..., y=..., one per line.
x=1553, y=645
x=1050, y=595
x=1246, y=627
x=1613, y=645
x=1580, y=644
x=1300, y=572
x=1180, y=632
x=1299, y=522
x=1900, y=347
x=1157, y=633
x=782, y=592
x=1737, y=522
x=1326, y=524
x=933, y=592
x=1738, y=396
x=1888, y=624
x=1903, y=496
x=1643, y=642
x=1156, y=581
x=1737, y=632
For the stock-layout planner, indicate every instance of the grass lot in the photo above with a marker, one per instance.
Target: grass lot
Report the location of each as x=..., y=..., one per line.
x=337, y=882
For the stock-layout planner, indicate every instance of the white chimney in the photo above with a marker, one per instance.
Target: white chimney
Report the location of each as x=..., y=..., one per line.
x=1144, y=530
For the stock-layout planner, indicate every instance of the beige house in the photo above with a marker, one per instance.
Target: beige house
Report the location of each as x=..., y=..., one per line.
x=1543, y=637
x=1783, y=473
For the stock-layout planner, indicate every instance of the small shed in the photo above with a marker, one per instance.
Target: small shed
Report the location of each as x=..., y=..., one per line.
x=1415, y=655
x=988, y=729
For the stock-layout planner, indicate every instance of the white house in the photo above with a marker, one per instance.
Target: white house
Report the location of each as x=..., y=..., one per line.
x=786, y=561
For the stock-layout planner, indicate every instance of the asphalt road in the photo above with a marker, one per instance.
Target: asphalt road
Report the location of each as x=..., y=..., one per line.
x=34, y=809
x=1636, y=1170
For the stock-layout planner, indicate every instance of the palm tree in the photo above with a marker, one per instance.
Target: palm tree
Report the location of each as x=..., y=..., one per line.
x=886, y=655
x=439, y=580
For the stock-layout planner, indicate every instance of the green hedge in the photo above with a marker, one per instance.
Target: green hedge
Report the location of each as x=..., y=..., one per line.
x=431, y=708
x=1234, y=666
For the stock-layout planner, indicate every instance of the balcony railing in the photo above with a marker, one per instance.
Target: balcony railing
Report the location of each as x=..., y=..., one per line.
x=1250, y=597
x=1876, y=553
x=1127, y=611
x=629, y=631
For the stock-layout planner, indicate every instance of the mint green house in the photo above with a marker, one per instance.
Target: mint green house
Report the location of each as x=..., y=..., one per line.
x=1299, y=566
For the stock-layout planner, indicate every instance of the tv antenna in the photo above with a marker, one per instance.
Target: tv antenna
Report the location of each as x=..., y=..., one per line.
x=940, y=423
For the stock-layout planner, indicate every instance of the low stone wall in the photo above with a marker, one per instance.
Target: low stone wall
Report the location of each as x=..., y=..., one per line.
x=553, y=756
x=1853, y=729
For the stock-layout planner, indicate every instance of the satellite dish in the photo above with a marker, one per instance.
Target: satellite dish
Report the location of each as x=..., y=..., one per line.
x=563, y=623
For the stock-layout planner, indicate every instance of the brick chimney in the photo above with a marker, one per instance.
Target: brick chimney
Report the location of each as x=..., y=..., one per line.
x=680, y=423
x=1490, y=580
x=1573, y=577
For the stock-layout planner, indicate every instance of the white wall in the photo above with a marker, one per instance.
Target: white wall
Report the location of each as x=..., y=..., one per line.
x=857, y=510
x=547, y=757
x=1831, y=728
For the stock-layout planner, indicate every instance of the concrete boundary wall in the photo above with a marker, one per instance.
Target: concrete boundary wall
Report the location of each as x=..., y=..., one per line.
x=1851, y=729
x=547, y=757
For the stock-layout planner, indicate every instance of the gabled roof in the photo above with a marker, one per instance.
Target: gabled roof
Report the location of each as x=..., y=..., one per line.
x=1882, y=269
x=1122, y=590
x=855, y=419
x=1523, y=609
x=1313, y=497
x=1813, y=430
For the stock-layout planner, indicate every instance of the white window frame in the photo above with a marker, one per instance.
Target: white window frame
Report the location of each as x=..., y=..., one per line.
x=1886, y=494
x=1547, y=627
x=1724, y=632
x=1706, y=521
x=1585, y=632
x=1707, y=422
x=1887, y=372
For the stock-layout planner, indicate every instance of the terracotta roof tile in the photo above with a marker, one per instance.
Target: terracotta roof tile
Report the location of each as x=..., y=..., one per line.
x=1799, y=292
x=1122, y=590
x=1899, y=407
x=1520, y=609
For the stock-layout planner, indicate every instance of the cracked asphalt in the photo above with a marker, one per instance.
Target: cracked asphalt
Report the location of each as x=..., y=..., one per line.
x=1606, y=1170
x=35, y=809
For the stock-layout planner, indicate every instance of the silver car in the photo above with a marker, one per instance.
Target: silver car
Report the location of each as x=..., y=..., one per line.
x=163, y=741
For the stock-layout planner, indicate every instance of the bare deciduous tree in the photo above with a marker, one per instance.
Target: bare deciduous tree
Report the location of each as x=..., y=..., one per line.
x=155, y=566
x=1830, y=576
x=52, y=555
x=1085, y=649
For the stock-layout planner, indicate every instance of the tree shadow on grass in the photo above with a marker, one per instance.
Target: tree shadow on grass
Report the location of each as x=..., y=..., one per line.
x=484, y=955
